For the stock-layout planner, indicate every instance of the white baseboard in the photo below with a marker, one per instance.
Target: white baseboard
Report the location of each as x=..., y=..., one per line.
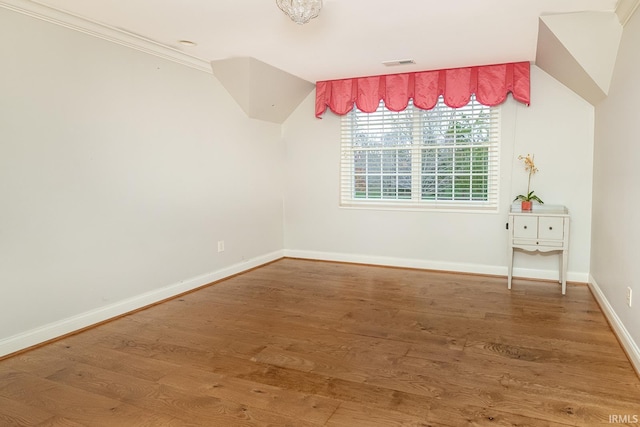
x=434, y=265
x=75, y=323
x=531, y=273
x=629, y=345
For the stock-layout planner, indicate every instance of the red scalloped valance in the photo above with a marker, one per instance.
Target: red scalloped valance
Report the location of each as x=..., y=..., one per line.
x=490, y=83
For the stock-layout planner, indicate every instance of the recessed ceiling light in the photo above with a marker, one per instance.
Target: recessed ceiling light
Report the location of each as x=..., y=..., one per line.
x=187, y=43
x=398, y=62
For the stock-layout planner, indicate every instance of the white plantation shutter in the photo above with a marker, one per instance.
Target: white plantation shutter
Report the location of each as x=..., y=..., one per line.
x=439, y=158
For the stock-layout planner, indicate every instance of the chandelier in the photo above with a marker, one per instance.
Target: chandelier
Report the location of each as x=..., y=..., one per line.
x=300, y=11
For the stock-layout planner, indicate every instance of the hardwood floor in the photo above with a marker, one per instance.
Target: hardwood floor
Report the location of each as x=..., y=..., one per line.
x=304, y=343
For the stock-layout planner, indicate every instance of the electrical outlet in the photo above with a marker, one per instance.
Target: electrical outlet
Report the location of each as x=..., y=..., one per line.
x=629, y=296
x=220, y=245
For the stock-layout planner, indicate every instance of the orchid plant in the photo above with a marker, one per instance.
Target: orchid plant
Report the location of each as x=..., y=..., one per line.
x=530, y=167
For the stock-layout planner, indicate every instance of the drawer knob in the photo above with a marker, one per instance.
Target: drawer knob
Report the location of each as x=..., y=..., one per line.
x=525, y=227
x=550, y=228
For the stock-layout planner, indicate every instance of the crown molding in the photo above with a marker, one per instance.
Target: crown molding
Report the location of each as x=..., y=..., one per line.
x=105, y=32
x=626, y=8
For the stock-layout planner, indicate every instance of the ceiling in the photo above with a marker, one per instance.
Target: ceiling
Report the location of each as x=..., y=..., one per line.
x=350, y=37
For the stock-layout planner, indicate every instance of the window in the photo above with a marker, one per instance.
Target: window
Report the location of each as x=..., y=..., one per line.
x=440, y=158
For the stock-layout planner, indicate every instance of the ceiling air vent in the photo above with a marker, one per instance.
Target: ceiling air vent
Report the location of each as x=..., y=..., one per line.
x=398, y=62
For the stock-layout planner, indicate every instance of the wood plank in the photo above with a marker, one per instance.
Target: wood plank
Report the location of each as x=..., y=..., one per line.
x=290, y=403
x=16, y=413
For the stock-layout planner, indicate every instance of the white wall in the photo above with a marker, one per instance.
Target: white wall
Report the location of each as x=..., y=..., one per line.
x=557, y=128
x=616, y=207
x=119, y=172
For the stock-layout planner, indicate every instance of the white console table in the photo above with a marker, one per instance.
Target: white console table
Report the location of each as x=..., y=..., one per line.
x=545, y=228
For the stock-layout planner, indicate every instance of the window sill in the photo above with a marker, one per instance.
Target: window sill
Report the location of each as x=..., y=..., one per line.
x=461, y=207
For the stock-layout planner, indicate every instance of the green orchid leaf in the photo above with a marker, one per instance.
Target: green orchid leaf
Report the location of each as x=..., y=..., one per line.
x=537, y=199
x=529, y=197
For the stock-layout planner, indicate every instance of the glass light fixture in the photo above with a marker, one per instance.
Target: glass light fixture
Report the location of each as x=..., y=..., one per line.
x=300, y=11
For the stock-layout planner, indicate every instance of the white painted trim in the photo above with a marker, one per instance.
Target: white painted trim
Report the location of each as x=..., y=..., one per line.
x=629, y=345
x=434, y=265
x=530, y=273
x=105, y=32
x=391, y=261
x=625, y=9
x=75, y=323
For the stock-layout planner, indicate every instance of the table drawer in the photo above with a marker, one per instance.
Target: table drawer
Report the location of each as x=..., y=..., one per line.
x=551, y=227
x=525, y=227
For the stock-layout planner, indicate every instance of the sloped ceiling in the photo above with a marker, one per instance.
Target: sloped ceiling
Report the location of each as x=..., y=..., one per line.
x=579, y=50
x=262, y=91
